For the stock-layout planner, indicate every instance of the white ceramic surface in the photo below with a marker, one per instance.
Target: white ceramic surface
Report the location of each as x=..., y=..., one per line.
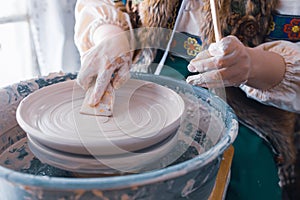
x=147, y=159
x=144, y=114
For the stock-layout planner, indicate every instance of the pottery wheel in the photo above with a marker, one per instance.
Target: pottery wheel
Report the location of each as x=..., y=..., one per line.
x=144, y=114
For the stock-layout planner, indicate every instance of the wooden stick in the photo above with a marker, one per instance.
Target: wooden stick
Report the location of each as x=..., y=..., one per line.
x=216, y=20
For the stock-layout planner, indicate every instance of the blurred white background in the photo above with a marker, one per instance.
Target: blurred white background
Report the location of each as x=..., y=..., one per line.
x=17, y=59
x=36, y=38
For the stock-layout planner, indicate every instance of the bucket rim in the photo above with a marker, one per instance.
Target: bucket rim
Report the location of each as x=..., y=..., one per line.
x=154, y=176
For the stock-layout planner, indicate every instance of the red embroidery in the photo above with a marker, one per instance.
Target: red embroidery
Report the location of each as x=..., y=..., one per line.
x=293, y=29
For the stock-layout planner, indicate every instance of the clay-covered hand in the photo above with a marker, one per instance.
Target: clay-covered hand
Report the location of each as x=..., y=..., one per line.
x=225, y=63
x=106, y=64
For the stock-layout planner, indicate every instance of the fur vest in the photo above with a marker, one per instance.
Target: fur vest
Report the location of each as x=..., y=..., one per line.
x=249, y=20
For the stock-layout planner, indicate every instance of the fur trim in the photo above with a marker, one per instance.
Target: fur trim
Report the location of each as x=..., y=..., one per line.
x=156, y=13
x=248, y=20
x=275, y=125
x=151, y=13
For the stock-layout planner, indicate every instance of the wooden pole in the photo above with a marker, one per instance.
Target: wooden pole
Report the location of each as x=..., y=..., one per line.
x=215, y=19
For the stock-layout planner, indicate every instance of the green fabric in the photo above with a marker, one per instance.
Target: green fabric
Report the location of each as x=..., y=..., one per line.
x=174, y=66
x=253, y=172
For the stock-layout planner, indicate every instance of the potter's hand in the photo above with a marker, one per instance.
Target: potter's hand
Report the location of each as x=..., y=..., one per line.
x=225, y=63
x=106, y=64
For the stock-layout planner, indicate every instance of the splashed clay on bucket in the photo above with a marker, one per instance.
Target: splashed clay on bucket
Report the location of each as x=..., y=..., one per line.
x=190, y=176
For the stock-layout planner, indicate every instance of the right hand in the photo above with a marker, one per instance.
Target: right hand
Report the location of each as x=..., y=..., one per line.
x=230, y=63
x=225, y=63
x=108, y=62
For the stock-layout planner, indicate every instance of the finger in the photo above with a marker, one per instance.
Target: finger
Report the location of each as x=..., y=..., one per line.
x=216, y=49
x=87, y=73
x=225, y=46
x=204, y=65
x=89, y=65
x=227, y=61
x=104, y=107
x=200, y=56
x=224, y=77
x=85, y=79
x=203, y=54
x=121, y=74
x=102, y=81
x=195, y=80
x=211, y=79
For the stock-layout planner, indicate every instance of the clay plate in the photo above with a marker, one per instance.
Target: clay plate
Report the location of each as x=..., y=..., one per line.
x=144, y=114
x=146, y=159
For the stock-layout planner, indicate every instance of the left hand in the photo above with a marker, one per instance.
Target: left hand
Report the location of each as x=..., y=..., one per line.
x=225, y=63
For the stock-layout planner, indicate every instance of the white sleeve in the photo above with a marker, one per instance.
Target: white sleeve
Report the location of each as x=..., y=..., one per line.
x=285, y=95
x=90, y=15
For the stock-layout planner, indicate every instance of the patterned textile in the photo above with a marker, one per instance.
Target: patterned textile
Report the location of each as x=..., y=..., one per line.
x=285, y=27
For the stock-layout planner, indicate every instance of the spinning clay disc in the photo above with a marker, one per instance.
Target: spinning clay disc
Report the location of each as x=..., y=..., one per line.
x=144, y=114
x=131, y=162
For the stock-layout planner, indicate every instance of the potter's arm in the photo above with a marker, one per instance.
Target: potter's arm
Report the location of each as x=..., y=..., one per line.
x=102, y=39
x=92, y=15
x=286, y=94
